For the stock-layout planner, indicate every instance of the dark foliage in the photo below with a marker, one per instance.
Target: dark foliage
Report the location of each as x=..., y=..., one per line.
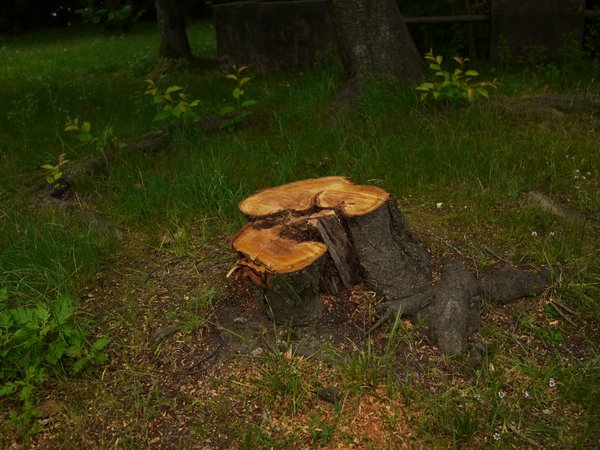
x=18, y=16
x=471, y=39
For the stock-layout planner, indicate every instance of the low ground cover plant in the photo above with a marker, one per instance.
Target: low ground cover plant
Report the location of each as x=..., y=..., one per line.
x=54, y=172
x=453, y=86
x=99, y=142
x=241, y=106
x=174, y=103
x=37, y=342
x=238, y=93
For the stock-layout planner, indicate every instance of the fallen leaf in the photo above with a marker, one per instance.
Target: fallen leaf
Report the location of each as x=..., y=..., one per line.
x=49, y=408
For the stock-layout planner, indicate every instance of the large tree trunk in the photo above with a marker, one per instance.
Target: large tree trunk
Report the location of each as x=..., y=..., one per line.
x=373, y=39
x=171, y=29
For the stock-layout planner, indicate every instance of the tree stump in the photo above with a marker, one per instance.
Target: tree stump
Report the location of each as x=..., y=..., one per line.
x=324, y=235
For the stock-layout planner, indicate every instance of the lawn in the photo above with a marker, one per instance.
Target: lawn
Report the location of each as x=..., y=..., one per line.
x=120, y=329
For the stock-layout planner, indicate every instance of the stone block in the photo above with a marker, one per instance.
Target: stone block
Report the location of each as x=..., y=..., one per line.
x=273, y=36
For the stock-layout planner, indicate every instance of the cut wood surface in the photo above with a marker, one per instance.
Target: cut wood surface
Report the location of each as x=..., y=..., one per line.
x=352, y=200
x=297, y=196
x=325, y=193
x=277, y=254
x=325, y=235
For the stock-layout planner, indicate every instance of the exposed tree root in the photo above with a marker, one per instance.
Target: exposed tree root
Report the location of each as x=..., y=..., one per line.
x=452, y=311
x=545, y=203
x=70, y=210
x=567, y=104
x=149, y=142
x=346, y=97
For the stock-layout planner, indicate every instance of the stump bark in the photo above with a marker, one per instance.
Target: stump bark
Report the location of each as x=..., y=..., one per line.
x=325, y=235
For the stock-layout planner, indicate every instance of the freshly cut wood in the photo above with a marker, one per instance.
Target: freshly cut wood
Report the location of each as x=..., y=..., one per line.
x=324, y=193
x=277, y=254
x=352, y=200
x=324, y=235
x=298, y=196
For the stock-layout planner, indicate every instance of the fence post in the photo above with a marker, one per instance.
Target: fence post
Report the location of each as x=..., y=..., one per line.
x=533, y=28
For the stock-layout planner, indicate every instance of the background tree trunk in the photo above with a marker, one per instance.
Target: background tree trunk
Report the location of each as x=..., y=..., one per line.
x=373, y=39
x=171, y=29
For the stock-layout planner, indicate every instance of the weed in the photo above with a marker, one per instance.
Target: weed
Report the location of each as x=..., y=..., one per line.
x=179, y=239
x=99, y=142
x=238, y=91
x=37, y=342
x=180, y=107
x=366, y=368
x=456, y=86
x=255, y=437
x=321, y=432
x=240, y=106
x=82, y=132
x=453, y=415
x=54, y=172
x=197, y=309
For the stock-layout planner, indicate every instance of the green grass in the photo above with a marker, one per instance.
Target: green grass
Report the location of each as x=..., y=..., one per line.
x=180, y=204
x=44, y=256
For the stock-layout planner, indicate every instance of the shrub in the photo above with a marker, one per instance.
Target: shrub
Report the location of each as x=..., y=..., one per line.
x=178, y=107
x=54, y=172
x=112, y=17
x=455, y=86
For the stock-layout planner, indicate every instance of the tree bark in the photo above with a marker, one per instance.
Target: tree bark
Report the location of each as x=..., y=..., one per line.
x=393, y=262
x=373, y=39
x=171, y=29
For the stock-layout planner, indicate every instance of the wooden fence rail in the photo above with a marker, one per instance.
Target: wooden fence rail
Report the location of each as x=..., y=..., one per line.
x=469, y=18
x=472, y=18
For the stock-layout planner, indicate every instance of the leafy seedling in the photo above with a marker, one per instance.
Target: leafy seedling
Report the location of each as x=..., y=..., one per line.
x=54, y=172
x=455, y=86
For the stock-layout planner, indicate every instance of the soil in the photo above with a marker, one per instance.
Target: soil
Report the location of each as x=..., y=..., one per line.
x=137, y=298
x=196, y=387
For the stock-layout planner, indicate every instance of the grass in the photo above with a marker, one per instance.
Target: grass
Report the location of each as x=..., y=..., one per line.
x=178, y=208
x=44, y=255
